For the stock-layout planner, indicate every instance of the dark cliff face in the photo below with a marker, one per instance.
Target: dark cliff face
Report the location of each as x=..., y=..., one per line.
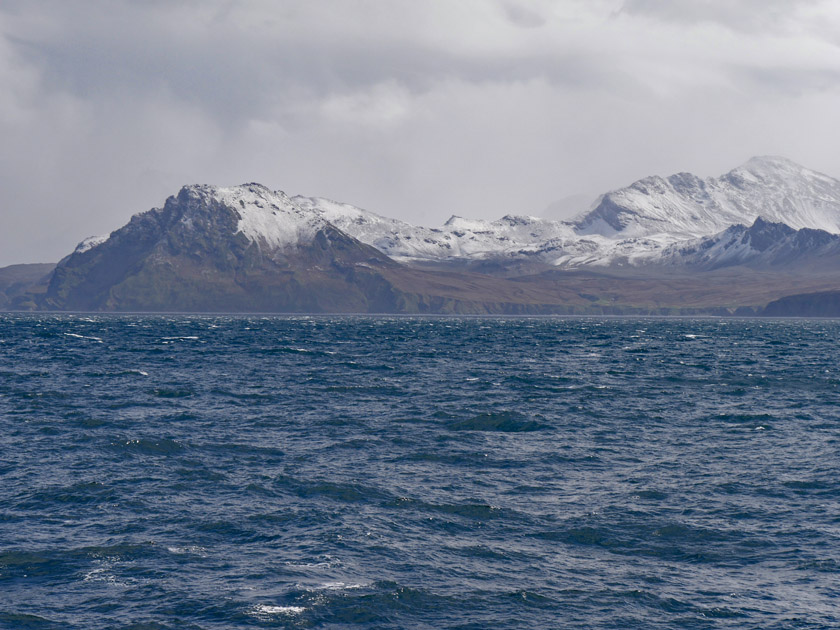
x=819, y=304
x=188, y=256
x=763, y=235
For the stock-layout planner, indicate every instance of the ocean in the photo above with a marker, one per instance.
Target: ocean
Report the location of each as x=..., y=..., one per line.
x=209, y=472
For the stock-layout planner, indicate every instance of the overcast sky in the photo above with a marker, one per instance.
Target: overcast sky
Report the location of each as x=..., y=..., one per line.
x=415, y=109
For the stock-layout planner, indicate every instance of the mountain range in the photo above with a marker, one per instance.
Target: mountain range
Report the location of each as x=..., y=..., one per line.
x=765, y=231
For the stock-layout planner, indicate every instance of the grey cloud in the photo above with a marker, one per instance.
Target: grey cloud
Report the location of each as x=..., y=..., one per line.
x=792, y=82
x=238, y=74
x=743, y=15
x=524, y=15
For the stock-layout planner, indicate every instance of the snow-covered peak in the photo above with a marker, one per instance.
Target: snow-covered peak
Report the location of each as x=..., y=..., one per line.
x=775, y=170
x=268, y=218
x=686, y=206
x=765, y=167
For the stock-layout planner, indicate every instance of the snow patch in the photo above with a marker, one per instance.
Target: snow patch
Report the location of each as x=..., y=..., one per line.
x=90, y=242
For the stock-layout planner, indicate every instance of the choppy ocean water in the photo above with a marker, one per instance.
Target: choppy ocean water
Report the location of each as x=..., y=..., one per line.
x=335, y=472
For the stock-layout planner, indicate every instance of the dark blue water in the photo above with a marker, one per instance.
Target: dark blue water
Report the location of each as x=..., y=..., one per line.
x=249, y=472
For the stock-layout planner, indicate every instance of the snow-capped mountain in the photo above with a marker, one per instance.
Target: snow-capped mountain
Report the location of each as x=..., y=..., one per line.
x=653, y=221
x=630, y=226
x=210, y=248
x=772, y=223
x=685, y=206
